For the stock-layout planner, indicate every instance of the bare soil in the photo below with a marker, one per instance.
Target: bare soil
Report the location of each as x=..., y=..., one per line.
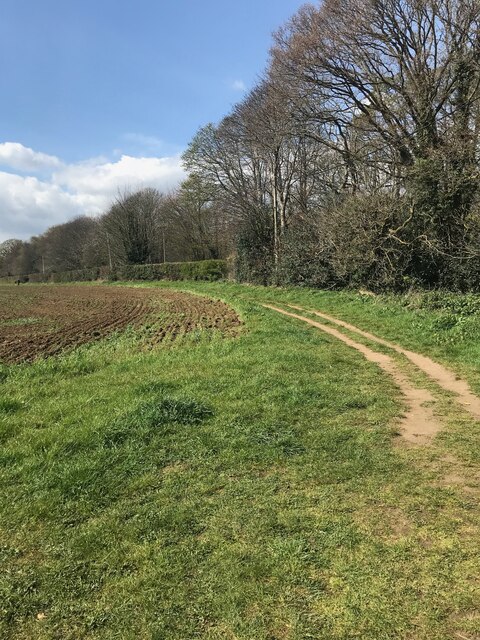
x=46, y=320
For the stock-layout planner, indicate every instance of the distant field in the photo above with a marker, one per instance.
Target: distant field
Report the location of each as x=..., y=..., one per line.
x=45, y=320
x=239, y=481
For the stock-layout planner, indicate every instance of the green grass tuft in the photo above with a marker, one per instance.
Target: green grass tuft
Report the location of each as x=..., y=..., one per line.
x=9, y=406
x=149, y=417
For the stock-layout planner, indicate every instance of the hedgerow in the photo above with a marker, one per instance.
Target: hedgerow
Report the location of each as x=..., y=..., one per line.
x=209, y=270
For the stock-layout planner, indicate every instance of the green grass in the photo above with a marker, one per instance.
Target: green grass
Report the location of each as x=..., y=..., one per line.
x=245, y=488
x=19, y=322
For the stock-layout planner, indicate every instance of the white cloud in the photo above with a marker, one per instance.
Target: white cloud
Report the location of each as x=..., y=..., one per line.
x=239, y=85
x=29, y=204
x=15, y=156
x=105, y=178
x=142, y=140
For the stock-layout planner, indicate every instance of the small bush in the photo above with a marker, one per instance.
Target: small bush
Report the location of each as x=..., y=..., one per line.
x=458, y=304
x=172, y=410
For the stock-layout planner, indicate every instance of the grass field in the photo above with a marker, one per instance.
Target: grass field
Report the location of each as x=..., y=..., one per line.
x=248, y=487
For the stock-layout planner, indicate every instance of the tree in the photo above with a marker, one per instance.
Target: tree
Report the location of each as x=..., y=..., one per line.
x=9, y=251
x=131, y=227
x=68, y=246
x=404, y=74
x=225, y=157
x=197, y=227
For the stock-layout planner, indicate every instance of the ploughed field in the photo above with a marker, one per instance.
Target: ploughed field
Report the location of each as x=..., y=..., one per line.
x=45, y=320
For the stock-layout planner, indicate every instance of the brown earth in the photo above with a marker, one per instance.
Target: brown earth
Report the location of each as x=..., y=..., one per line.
x=38, y=321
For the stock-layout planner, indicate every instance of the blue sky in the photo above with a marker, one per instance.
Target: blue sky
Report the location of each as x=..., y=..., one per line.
x=101, y=94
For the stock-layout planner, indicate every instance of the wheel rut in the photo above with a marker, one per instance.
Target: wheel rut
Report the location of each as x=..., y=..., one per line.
x=445, y=378
x=419, y=424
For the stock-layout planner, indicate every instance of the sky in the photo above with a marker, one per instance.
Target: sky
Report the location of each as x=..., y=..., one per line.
x=101, y=95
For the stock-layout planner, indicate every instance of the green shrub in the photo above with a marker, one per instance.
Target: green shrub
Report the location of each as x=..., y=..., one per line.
x=448, y=302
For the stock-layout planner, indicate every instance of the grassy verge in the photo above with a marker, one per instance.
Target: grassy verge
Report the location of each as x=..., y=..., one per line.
x=445, y=326
x=240, y=488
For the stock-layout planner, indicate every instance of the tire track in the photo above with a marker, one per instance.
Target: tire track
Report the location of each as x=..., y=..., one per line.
x=445, y=378
x=419, y=424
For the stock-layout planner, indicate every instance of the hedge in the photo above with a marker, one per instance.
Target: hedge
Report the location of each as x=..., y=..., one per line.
x=202, y=270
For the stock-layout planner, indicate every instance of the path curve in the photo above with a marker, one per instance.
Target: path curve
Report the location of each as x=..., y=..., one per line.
x=418, y=425
x=445, y=378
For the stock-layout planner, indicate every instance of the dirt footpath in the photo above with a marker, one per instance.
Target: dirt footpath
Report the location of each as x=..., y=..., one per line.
x=419, y=424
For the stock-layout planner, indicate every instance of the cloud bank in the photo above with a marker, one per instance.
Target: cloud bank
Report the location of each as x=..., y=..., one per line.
x=16, y=156
x=38, y=190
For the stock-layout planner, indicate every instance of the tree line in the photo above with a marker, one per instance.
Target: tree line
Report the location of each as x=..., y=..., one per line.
x=140, y=227
x=354, y=161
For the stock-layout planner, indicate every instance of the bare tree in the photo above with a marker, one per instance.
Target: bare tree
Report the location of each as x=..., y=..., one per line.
x=68, y=246
x=196, y=225
x=131, y=227
x=403, y=74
